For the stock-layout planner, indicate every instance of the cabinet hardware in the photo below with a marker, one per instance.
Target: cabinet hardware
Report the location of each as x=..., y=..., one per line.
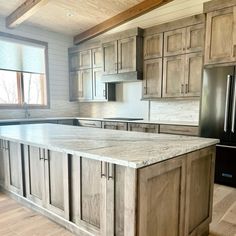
x=103, y=169
x=186, y=88
x=40, y=155
x=182, y=88
x=110, y=171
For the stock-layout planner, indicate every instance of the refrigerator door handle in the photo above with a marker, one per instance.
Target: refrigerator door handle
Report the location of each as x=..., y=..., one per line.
x=234, y=109
x=227, y=103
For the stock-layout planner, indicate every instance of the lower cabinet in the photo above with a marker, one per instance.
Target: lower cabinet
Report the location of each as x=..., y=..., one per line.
x=115, y=125
x=179, y=129
x=47, y=179
x=146, y=128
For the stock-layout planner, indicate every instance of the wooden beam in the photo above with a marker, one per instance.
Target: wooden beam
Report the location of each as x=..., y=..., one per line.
x=23, y=12
x=119, y=19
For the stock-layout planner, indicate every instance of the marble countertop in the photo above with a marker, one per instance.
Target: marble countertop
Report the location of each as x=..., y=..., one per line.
x=131, y=149
x=186, y=123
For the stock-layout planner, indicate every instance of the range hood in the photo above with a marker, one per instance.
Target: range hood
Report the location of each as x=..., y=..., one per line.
x=123, y=77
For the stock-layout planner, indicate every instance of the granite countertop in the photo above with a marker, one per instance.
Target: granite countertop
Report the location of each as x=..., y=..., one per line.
x=132, y=149
x=186, y=123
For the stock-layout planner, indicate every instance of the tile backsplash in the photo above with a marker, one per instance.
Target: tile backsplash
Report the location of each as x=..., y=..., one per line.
x=128, y=104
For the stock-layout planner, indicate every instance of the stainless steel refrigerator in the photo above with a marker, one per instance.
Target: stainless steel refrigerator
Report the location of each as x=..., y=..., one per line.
x=218, y=119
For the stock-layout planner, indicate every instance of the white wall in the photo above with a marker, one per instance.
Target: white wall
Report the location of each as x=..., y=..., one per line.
x=58, y=73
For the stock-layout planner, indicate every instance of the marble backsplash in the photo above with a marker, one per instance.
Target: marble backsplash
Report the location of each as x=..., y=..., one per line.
x=128, y=104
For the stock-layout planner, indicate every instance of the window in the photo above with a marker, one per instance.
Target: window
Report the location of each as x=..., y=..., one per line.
x=22, y=72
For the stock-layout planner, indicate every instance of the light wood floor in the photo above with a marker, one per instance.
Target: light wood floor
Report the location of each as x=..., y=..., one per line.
x=17, y=220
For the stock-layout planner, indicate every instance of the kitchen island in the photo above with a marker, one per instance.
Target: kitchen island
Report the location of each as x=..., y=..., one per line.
x=105, y=182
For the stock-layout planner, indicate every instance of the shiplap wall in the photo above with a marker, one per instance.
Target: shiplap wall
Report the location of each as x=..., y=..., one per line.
x=58, y=73
x=128, y=104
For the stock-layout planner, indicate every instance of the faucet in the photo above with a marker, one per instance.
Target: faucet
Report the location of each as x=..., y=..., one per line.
x=27, y=113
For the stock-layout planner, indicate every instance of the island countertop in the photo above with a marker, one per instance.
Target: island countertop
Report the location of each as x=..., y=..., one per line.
x=131, y=149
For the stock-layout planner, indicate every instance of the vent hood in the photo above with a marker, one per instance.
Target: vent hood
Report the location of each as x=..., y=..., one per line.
x=122, y=77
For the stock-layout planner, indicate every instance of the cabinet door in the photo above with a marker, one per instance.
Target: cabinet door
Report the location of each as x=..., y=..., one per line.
x=85, y=84
x=115, y=125
x=34, y=174
x=57, y=183
x=153, y=46
x=74, y=86
x=174, y=42
x=110, y=59
x=193, y=74
x=161, y=201
x=97, y=57
x=147, y=128
x=85, y=60
x=74, y=61
x=99, y=88
x=195, y=38
x=152, y=78
x=220, y=36
x=199, y=190
x=92, y=194
x=173, y=76
x=14, y=167
x=3, y=157
x=127, y=55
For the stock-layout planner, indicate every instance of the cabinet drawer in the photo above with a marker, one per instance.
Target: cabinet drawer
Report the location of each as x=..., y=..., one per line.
x=115, y=125
x=90, y=123
x=178, y=129
x=147, y=128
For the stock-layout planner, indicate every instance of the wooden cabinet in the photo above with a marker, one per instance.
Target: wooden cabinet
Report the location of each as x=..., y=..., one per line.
x=85, y=84
x=93, y=195
x=173, y=76
x=175, y=42
x=221, y=36
x=179, y=129
x=152, y=81
x=115, y=125
x=110, y=57
x=123, y=55
x=161, y=200
x=85, y=60
x=182, y=75
x=90, y=123
x=3, y=156
x=74, y=61
x=147, y=128
x=96, y=57
x=153, y=46
x=14, y=167
x=199, y=189
x=99, y=88
x=185, y=40
x=47, y=182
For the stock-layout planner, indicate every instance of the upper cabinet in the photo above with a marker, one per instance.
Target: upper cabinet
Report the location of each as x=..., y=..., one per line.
x=220, y=33
x=153, y=46
x=86, y=74
x=173, y=59
x=122, y=55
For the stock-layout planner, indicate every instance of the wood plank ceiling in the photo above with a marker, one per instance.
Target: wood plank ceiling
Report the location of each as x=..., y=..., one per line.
x=72, y=17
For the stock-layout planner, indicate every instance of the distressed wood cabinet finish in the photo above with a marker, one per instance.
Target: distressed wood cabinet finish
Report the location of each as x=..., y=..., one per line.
x=173, y=76
x=177, y=184
x=153, y=46
x=99, y=88
x=47, y=183
x=152, y=81
x=179, y=129
x=90, y=123
x=162, y=198
x=85, y=84
x=175, y=42
x=220, y=43
x=115, y=125
x=85, y=59
x=146, y=128
x=110, y=57
x=74, y=61
x=14, y=168
x=182, y=75
x=97, y=57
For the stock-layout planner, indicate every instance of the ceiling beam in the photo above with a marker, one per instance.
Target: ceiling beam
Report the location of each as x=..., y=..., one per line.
x=23, y=12
x=125, y=16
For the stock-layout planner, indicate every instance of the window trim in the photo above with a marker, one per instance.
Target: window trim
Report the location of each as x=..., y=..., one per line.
x=33, y=106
